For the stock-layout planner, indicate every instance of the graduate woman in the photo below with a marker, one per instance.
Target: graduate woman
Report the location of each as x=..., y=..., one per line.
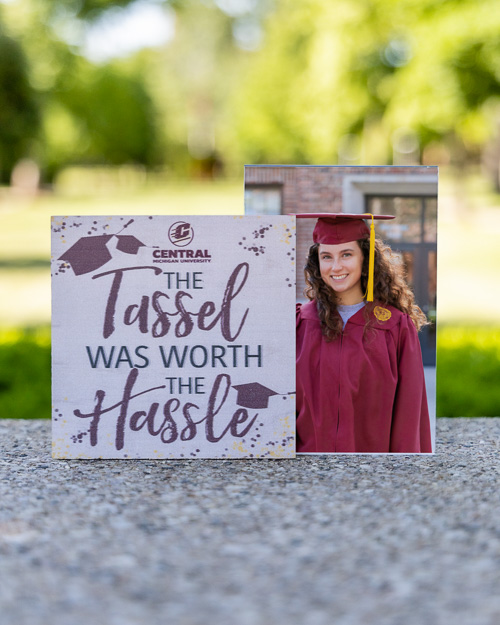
x=360, y=377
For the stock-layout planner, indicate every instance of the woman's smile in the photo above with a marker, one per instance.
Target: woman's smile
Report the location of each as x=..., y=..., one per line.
x=340, y=277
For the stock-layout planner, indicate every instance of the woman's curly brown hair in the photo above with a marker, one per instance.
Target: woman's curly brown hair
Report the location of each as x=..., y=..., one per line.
x=389, y=288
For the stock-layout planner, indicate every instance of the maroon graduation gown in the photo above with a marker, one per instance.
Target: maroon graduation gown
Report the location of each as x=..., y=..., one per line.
x=363, y=391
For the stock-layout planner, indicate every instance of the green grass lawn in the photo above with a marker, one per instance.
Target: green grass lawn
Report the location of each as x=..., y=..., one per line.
x=25, y=221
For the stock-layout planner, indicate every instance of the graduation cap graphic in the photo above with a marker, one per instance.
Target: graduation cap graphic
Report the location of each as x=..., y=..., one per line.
x=91, y=253
x=88, y=254
x=128, y=244
x=254, y=395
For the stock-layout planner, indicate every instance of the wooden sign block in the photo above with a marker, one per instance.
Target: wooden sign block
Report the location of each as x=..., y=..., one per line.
x=173, y=337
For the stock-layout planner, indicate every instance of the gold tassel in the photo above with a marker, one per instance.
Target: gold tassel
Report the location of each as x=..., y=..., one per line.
x=371, y=262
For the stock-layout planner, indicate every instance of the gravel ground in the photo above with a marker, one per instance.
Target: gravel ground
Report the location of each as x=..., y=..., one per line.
x=318, y=540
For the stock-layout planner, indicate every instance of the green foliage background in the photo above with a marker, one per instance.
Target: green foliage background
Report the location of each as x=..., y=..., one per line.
x=468, y=366
x=258, y=81
x=25, y=374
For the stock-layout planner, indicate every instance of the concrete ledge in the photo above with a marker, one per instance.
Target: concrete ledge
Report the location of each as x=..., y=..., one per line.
x=316, y=540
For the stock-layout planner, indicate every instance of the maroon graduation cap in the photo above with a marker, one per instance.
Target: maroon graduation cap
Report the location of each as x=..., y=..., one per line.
x=334, y=228
x=253, y=395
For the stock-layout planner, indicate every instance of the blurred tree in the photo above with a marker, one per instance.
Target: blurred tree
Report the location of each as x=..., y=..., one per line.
x=150, y=108
x=62, y=109
x=19, y=116
x=348, y=81
x=379, y=70
x=89, y=8
x=101, y=115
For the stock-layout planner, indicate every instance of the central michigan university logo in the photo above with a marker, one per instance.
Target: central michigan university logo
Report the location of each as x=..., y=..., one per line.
x=180, y=234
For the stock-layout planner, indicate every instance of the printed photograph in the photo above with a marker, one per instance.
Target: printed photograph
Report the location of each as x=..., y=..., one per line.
x=366, y=302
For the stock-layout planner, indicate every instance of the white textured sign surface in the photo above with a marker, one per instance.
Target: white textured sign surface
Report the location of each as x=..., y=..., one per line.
x=173, y=337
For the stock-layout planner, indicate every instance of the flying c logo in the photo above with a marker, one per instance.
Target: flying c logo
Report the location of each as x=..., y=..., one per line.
x=180, y=234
